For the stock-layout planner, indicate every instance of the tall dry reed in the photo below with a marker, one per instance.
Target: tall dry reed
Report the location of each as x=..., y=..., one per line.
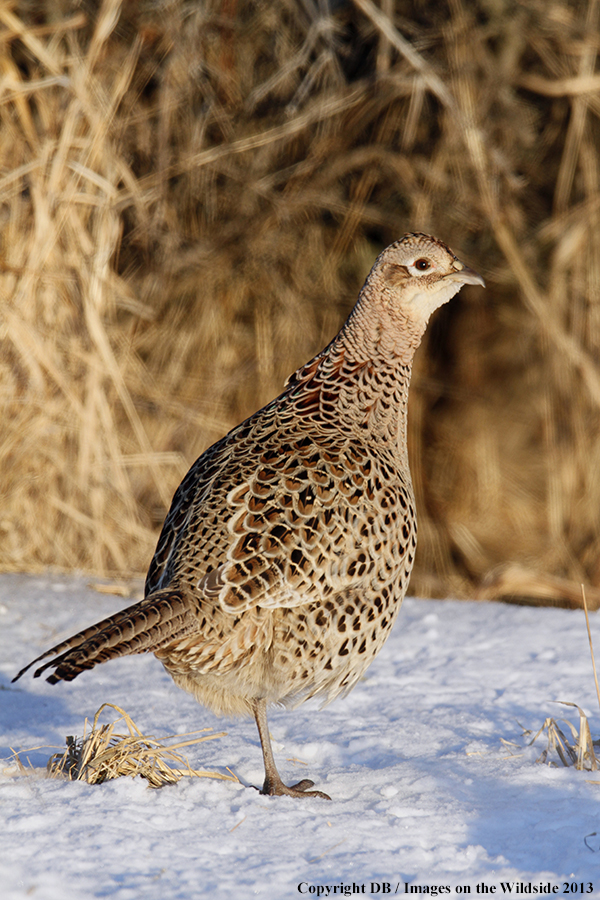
x=190, y=196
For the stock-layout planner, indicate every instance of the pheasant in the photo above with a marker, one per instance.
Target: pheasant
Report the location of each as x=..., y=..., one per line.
x=284, y=559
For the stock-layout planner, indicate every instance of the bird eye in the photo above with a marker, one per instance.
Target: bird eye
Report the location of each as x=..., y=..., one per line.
x=422, y=264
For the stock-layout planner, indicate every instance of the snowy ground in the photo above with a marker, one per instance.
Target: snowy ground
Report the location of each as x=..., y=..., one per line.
x=424, y=791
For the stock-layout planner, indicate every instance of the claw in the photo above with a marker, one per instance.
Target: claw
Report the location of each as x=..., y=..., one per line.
x=276, y=788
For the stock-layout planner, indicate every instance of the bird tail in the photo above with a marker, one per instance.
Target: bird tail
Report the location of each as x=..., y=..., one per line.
x=147, y=626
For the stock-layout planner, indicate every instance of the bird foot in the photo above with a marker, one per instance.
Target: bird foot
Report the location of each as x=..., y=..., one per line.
x=276, y=787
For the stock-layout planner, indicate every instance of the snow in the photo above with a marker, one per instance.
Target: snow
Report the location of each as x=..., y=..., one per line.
x=425, y=794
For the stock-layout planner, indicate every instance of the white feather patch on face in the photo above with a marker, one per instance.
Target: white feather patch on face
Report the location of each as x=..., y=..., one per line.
x=424, y=303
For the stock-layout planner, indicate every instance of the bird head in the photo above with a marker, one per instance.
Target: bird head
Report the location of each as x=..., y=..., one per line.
x=419, y=273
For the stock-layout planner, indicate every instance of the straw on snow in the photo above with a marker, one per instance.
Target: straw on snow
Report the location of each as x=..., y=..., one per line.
x=102, y=754
x=578, y=751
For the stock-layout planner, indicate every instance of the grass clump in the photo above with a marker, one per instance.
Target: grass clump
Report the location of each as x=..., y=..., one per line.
x=102, y=754
x=577, y=749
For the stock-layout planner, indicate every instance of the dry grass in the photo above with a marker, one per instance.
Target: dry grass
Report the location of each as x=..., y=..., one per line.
x=190, y=196
x=576, y=750
x=102, y=754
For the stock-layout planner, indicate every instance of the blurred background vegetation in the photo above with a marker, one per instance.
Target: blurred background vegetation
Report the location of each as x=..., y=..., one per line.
x=191, y=194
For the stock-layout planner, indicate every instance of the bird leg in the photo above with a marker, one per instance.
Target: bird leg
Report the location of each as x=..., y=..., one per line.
x=273, y=783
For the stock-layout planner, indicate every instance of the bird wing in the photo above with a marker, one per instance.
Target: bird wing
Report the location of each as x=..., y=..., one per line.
x=270, y=516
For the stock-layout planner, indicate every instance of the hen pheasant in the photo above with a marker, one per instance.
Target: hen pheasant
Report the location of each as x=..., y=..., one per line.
x=286, y=553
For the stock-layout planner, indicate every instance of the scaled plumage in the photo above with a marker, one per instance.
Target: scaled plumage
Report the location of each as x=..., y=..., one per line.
x=286, y=553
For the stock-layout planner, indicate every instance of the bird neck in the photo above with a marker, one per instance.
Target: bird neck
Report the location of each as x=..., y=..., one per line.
x=360, y=382
x=381, y=329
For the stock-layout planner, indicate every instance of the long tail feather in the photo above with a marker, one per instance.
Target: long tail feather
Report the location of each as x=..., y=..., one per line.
x=144, y=627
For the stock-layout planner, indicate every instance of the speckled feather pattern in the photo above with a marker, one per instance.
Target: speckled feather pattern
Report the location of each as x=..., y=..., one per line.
x=288, y=548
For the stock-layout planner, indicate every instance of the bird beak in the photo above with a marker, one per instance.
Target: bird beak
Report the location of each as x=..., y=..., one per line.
x=465, y=275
